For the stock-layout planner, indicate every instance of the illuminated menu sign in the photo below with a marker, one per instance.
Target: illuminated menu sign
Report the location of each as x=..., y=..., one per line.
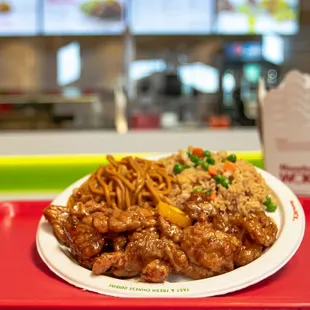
x=78, y=17
x=240, y=51
x=257, y=17
x=18, y=17
x=171, y=17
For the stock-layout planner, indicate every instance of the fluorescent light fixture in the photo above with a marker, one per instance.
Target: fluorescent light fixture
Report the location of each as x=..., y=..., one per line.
x=200, y=76
x=142, y=68
x=273, y=49
x=68, y=64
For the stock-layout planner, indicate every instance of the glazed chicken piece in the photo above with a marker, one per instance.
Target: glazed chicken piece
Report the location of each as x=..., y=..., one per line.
x=145, y=254
x=100, y=222
x=236, y=225
x=140, y=234
x=197, y=272
x=88, y=207
x=79, y=228
x=87, y=224
x=143, y=248
x=248, y=253
x=261, y=228
x=84, y=240
x=168, y=230
x=229, y=223
x=175, y=257
x=119, y=243
x=99, y=213
x=57, y=216
x=109, y=220
x=150, y=246
x=198, y=207
x=156, y=272
x=131, y=219
x=210, y=248
x=105, y=262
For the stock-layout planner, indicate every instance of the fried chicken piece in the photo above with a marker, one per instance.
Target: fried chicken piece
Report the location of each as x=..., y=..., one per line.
x=210, y=248
x=87, y=208
x=119, y=272
x=248, y=253
x=198, y=207
x=119, y=243
x=229, y=223
x=99, y=214
x=83, y=239
x=57, y=216
x=143, y=247
x=140, y=234
x=261, y=228
x=197, y=272
x=155, y=272
x=100, y=222
x=132, y=219
x=145, y=254
x=174, y=256
x=105, y=261
x=168, y=230
x=112, y=264
x=108, y=220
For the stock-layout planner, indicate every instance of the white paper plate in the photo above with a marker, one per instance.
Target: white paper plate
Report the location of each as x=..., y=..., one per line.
x=289, y=218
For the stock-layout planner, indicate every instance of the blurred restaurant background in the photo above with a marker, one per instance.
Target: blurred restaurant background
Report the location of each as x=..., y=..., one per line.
x=125, y=65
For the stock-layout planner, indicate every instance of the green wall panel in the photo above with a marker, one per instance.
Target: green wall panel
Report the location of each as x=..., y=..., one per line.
x=54, y=173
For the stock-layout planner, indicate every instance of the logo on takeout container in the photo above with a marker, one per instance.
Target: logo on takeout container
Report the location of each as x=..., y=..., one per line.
x=298, y=175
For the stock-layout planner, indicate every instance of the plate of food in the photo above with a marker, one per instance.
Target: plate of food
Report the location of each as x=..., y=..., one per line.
x=5, y=7
x=103, y=9
x=189, y=224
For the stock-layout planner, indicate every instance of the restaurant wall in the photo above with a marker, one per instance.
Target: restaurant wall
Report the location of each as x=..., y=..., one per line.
x=30, y=64
x=20, y=64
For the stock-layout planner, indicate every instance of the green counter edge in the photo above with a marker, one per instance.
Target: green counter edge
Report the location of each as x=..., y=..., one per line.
x=35, y=174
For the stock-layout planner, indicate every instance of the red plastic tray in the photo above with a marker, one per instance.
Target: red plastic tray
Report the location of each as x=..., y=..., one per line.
x=25, y=282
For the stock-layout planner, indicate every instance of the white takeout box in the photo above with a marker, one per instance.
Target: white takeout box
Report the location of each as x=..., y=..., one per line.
x=285, y=121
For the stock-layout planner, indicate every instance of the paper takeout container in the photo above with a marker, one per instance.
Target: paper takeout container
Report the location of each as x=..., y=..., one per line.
x=284, y=126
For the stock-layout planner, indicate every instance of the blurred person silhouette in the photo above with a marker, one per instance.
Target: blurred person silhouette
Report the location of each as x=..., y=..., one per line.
x=241, y=118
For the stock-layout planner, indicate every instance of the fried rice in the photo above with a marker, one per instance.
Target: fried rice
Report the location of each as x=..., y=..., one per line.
x=246, y=193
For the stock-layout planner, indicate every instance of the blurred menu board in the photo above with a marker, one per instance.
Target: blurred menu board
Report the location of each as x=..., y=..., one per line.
x=79, y=17
x=18, y=17
x=257, y=16
x=171, y=16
